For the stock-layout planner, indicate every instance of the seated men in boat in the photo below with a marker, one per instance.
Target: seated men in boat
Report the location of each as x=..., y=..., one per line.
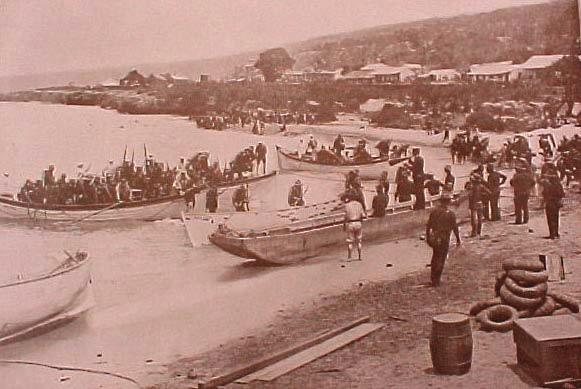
x=296, y=195
x=327, y=157
x=432, y=185
x=338, y=145
x=240, y=199
x=311, y=146
x=360, y=153
x=123, y=191
x=379, y=202
x=383, y=146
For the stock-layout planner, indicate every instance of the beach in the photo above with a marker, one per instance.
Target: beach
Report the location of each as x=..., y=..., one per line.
x=157, y=299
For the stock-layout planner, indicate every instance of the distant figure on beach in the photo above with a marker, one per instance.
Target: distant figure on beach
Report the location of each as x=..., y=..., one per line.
x=354, y=215
x=441, y=223
x=446, y=134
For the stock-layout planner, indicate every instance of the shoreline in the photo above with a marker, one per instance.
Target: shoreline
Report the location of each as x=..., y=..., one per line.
x=398, y=355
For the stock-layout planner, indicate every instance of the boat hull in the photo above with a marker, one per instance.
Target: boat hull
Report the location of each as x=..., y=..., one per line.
x=289, y=245
x=170, y=207
x=371, y=171
x=28, y=305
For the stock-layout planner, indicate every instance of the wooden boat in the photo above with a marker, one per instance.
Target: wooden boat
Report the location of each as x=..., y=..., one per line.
x=285, y=244
x=146, y=210
x=368, y=171
x=37, y=302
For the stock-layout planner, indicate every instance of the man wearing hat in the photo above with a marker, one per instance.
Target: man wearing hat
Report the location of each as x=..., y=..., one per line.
x=296, y=195
x=553, y=194
x=522, y=182
x=477, y=191
x=379, y=202
x=449, y=180
x=495, y=180
x=261, y=151
x=441, y=223
x=418, y=177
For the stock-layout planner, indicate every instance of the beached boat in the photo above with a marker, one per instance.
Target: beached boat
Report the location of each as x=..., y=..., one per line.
x=147, y=210
x=285, y=244
x=34, y=303
x=368, y=171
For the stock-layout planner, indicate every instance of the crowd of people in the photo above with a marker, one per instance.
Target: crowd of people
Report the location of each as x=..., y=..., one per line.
x=130, y=182
x=340, y=154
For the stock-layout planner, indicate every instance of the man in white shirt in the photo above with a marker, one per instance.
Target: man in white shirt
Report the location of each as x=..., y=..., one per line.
x=354, y=214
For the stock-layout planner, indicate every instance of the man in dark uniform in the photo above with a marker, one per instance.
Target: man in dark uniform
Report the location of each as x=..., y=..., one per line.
x=441, y=223
x=449, y=180
x=261, y=151
x=477, y=191
x=379, y=202
x=495, y=180
x=418, y=177
x=522, y=182
x=338, y=145
x=553, y=194
x=212, y=199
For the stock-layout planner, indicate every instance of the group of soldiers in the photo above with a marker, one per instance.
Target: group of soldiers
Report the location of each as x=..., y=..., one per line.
x=129, y=182
x=336, y=153
x=465, y=146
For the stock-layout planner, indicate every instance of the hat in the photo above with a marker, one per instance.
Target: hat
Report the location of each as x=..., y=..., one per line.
x=448, y=168
x=297, y=182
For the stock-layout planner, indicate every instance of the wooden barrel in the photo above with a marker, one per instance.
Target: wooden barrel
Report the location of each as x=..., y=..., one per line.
x=451, y=343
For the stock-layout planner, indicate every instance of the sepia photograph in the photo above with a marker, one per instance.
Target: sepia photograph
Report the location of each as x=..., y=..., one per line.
x=259, y=194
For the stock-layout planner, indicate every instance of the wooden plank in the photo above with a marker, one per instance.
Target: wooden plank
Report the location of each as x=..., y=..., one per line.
x=245, y=370
x=295, y=361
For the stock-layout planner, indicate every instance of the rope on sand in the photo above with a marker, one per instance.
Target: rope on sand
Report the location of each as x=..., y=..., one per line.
x=69, y=368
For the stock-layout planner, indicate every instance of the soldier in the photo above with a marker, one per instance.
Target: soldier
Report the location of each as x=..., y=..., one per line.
x=240, y=199
x=261, y=151
x=449, y=179
x=212, y=199
x=379, y=202
x=553, y=194
x=495, y=180
x=522, y=182
x=441, y=223
x=339, y=145
x=296, y=195
x=418, y=177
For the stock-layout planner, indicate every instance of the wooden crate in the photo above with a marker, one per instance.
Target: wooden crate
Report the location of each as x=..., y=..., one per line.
x=549, y=348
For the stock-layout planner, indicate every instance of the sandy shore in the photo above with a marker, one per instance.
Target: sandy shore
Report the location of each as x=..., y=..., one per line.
x=398, y=356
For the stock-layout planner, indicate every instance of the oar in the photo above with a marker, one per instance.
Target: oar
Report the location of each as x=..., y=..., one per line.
x=398, y=160
x=96, y=213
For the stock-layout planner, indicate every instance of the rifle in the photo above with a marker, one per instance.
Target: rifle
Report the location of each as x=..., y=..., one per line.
x=125, y=154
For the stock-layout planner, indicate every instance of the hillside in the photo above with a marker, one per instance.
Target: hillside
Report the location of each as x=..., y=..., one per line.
x=505, y=34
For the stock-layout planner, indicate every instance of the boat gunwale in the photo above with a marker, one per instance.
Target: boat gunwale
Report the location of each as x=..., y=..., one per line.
x=48, y=275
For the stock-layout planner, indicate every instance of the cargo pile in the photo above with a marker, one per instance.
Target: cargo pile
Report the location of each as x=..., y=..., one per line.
x=521, y=291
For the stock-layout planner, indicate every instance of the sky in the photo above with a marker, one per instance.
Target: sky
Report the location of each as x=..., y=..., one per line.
x=41, y=36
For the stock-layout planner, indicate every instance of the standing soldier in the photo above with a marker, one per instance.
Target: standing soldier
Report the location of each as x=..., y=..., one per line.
x=495, y=180
x=339, y=145
x=212, y=199
x=441, y=223
x=354, y=214
x=553, y=194
x=379, y=202
x=384, y=183
x=261, y=151
x=522, y=182
x=418, y=177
